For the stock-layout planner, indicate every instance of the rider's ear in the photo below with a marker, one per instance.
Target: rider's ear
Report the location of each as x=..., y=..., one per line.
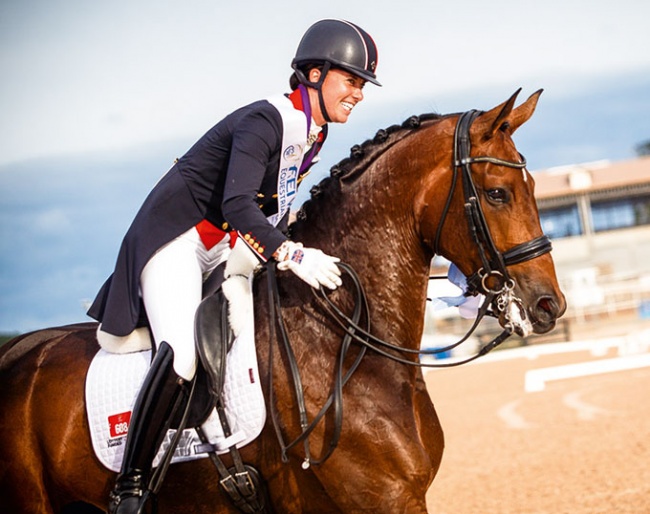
x=314, y=75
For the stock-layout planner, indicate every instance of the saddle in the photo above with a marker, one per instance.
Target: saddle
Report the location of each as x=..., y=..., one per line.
x=213, y=340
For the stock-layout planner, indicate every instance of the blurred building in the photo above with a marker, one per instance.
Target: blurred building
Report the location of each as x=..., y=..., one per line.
x=598, y=216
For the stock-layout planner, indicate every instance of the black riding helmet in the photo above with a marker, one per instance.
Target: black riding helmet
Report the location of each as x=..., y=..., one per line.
x=339, y=44
x=342, y=44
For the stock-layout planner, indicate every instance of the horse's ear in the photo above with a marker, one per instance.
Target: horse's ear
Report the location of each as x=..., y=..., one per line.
x=505, y=117
x=522, y=114
x=488, y=123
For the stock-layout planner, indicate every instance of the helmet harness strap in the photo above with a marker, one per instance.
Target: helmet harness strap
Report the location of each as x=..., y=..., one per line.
x=318, y=87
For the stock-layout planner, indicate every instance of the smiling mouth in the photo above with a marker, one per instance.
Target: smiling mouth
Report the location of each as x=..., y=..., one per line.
x=347, y=106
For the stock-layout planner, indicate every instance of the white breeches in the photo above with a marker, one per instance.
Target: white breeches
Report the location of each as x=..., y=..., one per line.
x=171, y=285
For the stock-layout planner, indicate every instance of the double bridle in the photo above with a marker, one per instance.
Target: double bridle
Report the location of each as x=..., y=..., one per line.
x=492, y=280
x=493, y=276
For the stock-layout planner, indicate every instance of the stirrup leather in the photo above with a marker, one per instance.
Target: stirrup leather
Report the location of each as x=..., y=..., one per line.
x=242, y=482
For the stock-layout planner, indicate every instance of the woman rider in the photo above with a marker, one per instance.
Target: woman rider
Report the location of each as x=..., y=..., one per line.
x=232, y=189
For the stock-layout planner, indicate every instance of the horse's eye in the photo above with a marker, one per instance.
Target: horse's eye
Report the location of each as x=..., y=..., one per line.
x=497, y=195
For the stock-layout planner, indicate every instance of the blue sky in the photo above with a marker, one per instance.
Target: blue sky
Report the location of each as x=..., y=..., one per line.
x=97, y=99
x=80, y=76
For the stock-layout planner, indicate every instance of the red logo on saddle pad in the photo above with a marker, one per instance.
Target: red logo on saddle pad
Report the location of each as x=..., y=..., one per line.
x=119, y=424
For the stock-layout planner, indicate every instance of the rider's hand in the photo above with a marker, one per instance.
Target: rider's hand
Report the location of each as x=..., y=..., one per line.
x=311, y=265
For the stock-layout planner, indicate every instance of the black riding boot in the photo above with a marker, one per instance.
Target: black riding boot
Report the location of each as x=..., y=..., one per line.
x=161, y=396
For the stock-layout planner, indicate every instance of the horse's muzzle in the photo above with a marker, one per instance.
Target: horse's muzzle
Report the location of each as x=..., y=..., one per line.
x=545, y=312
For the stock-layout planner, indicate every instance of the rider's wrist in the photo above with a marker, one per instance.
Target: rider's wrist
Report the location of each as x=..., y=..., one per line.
x=282, y=253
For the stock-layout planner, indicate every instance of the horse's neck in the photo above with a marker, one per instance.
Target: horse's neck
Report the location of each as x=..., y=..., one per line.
x=369, y=222
x=396, y=289
x=390, y=263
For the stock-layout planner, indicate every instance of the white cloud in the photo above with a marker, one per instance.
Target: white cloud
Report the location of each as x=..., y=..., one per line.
x=83, y=75
x=51, y=222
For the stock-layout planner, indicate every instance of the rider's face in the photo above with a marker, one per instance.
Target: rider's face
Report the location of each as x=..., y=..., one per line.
x=342, y=91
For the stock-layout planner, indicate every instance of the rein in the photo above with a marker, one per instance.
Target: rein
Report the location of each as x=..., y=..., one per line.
x=341, y=378
x=492, y=280
x=354, y=332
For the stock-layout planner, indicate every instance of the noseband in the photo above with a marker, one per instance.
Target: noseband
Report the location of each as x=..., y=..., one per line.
x=493, y=276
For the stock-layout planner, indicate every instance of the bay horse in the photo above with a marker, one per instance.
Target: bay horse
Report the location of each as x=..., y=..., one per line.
x=385, y=210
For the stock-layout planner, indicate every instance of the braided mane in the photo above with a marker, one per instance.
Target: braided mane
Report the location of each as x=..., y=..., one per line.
x=361, y=156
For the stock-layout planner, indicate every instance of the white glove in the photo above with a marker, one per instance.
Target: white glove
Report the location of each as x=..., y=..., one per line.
x=311, y=265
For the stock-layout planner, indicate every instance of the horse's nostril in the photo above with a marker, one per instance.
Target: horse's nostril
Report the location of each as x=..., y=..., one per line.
x=548, y=308
x=546, y=304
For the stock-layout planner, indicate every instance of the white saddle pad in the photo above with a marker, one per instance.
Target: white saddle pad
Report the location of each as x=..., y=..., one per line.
x=113, y=383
